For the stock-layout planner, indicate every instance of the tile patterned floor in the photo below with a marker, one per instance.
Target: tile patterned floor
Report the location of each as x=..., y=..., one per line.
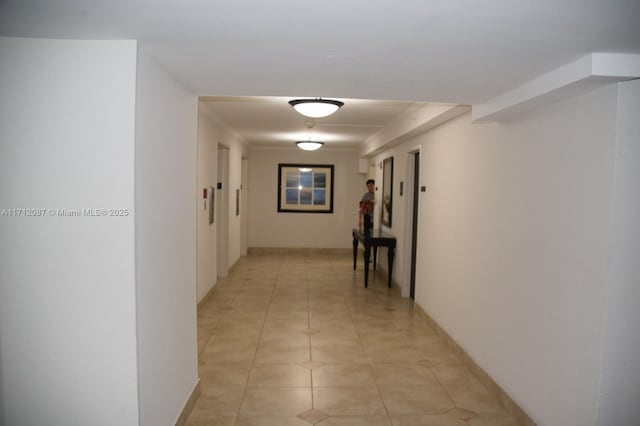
x=296, y=340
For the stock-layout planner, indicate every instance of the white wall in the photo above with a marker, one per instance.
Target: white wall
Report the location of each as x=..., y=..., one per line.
x=620, y=379
x=67, y=293
x=211, y=132
x=207, y=178
x=268, y=228
x=244, y=207
x=165, y=191
x=513, y=247
x=235, y=221
x=222, y=211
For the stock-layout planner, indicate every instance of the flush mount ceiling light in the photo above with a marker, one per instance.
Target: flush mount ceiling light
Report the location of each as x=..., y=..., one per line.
x=316, y=108
x=309, y=145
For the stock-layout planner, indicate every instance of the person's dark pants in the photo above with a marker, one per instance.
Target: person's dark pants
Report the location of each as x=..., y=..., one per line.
x=368, y=222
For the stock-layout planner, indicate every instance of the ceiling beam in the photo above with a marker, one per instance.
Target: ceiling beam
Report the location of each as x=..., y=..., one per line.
x=585, y=74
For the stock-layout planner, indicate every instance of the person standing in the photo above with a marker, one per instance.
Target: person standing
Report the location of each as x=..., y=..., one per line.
x=366, y=206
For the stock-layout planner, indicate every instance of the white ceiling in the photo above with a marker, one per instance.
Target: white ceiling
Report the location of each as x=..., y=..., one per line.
x=462, y=52
x=271, y=121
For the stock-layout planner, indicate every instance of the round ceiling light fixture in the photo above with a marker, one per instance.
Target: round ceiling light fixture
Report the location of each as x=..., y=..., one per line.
x=309, y=145
x=316, y=108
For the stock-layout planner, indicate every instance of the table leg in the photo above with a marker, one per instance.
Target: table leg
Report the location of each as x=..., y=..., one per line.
x=390, y=255
x=355, y=252
x=375, y=257
x=367, y=259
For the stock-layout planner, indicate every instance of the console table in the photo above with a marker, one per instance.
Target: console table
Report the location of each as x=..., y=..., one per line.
x=375, y=239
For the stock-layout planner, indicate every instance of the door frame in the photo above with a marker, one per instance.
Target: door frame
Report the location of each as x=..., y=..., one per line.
x=412, y=192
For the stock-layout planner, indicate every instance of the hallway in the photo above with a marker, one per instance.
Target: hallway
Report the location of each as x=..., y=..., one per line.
x=294, y=340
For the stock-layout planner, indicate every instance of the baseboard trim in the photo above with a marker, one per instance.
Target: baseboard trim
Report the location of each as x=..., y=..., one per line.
x=298, y=250
x=492, y=387
x=210, y=292
x=206, y=297
x=188, y=406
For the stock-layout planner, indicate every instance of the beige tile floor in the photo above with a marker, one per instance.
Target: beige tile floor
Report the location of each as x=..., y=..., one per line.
x=295, y=340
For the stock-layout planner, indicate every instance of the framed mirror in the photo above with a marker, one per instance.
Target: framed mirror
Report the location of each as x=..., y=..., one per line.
x=387, y=191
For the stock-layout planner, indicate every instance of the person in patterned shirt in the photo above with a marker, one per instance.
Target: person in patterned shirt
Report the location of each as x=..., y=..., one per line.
x=366, y=206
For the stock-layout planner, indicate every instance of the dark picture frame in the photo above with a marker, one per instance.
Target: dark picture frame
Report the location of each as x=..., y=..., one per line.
x=305, y=188
x=387, y=192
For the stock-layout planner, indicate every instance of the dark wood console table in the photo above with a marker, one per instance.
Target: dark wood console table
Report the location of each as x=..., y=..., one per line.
x=375, y=239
